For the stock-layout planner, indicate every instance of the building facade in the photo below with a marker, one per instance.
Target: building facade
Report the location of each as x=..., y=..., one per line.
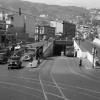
x=58, y=27
x=44, y=32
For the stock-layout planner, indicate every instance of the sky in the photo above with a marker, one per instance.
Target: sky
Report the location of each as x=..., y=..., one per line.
x=80, y=3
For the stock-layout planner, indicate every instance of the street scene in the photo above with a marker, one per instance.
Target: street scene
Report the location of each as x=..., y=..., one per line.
x=57, y=78
x=49, y=50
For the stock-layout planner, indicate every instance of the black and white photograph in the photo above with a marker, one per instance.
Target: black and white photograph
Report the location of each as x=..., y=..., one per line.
x=49, y=49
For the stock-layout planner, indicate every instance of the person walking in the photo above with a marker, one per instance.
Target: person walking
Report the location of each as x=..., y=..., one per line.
x=80, y=62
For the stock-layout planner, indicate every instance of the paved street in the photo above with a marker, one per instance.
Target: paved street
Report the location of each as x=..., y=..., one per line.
x=57, y=78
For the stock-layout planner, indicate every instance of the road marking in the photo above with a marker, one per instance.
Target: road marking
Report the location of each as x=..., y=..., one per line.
x=81, y=92
x=78, y=73
x=90, y=90
x=18, y=85
x=77, y=87
x=42, y=86
x=20, y=91
x=45, y=96
x=51, y=85
x=63, y=96
x=54, y=95
x=84, y=76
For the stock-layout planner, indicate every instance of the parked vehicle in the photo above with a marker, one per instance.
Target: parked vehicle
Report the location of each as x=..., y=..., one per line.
x=3, y=58
x=28, y=57
x=69, y=52
x=15, y=62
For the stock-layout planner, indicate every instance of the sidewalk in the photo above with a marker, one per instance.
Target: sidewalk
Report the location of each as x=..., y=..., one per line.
x=87, y=64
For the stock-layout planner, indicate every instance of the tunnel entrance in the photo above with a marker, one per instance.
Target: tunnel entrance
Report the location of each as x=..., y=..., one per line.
x=58, y=47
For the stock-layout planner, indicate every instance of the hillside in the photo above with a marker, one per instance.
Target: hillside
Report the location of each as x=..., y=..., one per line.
x=37, y=8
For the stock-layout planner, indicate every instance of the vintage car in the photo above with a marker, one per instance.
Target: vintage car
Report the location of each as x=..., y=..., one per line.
x=28, y=57
x=15, y=62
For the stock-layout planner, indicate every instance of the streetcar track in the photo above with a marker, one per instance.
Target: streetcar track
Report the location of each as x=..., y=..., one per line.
x=45, y=92
x=82, y=93
x=54, y=95
x=18, y=85
x=57, y=85
x=89, y=90
x=47, y=84
x=94, y=76
x=84, y=76
x=45, y=96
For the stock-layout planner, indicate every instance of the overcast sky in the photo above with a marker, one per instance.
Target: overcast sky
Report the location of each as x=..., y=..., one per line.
x=82, y=3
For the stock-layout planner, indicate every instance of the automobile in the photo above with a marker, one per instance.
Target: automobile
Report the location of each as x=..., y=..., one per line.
x=28, y=57
x=15, y=62
x=19, y=52
x=3, y=58
x=69, y=53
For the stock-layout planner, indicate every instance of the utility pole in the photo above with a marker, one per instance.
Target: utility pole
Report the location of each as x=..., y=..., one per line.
x=38, y=33
x=20, y=11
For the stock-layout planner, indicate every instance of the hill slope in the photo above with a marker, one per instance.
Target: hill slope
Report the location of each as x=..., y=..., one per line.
x=38, y=8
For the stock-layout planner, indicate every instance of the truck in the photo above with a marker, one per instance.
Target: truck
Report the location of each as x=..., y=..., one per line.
x=69, y=48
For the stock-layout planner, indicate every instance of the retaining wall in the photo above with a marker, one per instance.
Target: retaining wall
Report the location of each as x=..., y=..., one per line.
x=83, y=54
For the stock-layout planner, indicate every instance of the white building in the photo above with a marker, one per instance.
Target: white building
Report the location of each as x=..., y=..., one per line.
x=58, y=26
x=98, y=31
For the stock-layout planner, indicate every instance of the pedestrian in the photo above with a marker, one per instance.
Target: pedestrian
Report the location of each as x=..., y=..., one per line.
x=80, y=63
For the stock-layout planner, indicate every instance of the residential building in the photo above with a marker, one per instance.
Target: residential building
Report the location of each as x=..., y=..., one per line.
x=58, y=27
x=44, y=32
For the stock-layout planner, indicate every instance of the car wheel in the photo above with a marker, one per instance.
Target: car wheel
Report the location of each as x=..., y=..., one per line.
x=9, y=68
x=20, y=65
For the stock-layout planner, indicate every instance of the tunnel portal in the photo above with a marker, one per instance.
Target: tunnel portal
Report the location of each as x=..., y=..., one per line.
x=58, y=47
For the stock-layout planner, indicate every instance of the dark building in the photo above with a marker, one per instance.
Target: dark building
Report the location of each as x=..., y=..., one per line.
x=69, y=29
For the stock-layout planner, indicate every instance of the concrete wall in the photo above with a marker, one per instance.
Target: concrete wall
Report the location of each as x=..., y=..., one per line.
x=83, y=54
x=49, y=50
x=90, y=57
x=18, y=22
x=77, y=49
x=30, y=25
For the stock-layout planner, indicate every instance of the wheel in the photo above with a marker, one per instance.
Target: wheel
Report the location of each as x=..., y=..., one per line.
x=20, y=65
x=9, y=68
